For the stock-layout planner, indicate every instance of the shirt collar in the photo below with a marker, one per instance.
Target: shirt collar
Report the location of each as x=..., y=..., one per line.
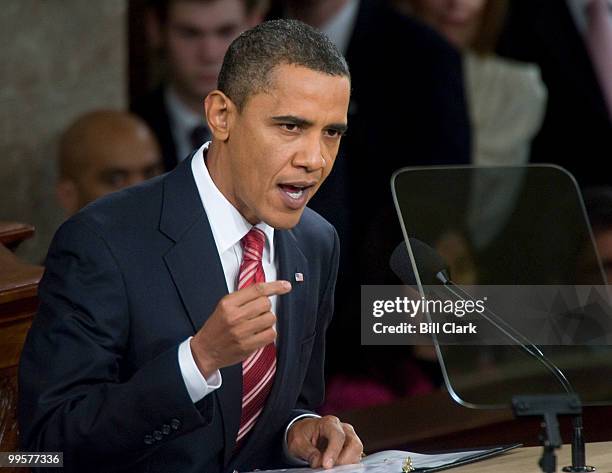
x=339, y=28
x=182, y=116
x=183, y=120
x=227, y=224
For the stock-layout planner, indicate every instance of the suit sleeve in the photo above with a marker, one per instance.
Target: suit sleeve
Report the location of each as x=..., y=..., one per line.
x=75, y=395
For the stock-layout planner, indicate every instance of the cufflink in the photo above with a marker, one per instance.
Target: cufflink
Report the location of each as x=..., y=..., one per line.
x=299, y=277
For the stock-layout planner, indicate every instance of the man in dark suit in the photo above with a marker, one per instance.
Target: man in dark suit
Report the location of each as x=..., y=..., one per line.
x=193, y=36
x=577, y=128
x=139, y=359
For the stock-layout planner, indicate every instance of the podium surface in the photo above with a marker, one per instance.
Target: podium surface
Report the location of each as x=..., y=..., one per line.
x=526, y=460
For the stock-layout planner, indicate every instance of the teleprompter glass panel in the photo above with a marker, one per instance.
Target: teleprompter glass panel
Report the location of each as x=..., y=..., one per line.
x=523, y=225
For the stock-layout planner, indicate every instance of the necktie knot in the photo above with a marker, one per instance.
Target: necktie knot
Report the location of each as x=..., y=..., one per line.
x=599, y=45
x=253, y=244
x=595, y=8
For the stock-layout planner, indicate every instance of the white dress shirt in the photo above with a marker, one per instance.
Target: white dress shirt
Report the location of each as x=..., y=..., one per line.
x=183, y=120
x=228, y=227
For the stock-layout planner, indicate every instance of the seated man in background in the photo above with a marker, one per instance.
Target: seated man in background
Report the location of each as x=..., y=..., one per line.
x=159, y=346
x=101, y=152
x=192, y=36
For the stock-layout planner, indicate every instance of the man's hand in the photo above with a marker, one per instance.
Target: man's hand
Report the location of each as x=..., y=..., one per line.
x=324, y=442
x=241, y=323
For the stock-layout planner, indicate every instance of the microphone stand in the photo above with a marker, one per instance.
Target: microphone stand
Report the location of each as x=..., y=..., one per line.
x=549, y=406
x=578, y=449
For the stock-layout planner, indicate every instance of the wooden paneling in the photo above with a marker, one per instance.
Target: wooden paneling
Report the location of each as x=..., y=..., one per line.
x=13, y=233
x=18, y=304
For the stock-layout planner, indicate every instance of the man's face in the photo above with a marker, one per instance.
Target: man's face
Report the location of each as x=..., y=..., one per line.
x=116, y=164
x=197, y=35
x=283, y=144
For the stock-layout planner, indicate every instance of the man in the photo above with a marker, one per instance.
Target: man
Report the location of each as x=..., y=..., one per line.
x=139, y=358
x=101, y=152
x=193, y=35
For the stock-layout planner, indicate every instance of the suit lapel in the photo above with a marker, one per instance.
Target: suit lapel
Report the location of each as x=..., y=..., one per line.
x=291, y=260
x=197, y=272
x=193, y=261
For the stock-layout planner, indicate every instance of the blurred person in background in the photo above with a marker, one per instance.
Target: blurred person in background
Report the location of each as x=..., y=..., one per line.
x=192, y=36
x=407, y=109
x=506, y=99
x=571, y=41
x=101, y=152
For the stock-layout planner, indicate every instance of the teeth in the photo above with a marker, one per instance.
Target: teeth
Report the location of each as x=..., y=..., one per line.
x=296, y=195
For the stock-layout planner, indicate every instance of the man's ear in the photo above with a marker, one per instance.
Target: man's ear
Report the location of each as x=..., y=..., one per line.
x=67, y=195
x=220, y=112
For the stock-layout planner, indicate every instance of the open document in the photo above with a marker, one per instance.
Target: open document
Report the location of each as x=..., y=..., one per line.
x=397, y=461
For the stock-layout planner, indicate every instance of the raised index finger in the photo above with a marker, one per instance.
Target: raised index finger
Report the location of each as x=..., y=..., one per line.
x=272, y=288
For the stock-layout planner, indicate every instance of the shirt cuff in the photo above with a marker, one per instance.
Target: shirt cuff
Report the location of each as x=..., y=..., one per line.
x=197, y=385
x=290, y=458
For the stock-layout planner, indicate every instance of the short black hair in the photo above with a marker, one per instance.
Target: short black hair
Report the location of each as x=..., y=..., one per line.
x=252, y=56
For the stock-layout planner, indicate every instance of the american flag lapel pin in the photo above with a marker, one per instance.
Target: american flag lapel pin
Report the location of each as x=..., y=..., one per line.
x=299, y=277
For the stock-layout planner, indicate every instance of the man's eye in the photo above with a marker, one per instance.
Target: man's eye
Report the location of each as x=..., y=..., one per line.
x=289, y=126
x=333, y=133
x=115, y=180
x=228, y=31
x=188, y=33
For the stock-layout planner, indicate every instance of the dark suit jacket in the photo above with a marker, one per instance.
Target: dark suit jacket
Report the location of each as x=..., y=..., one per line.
x=127, y=280
x=152, y=109
x=577, y=130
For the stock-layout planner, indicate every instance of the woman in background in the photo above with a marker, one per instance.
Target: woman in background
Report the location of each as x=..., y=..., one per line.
x=506, y=99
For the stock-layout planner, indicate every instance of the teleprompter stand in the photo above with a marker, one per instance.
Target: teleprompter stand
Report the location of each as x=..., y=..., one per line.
x=549, y=407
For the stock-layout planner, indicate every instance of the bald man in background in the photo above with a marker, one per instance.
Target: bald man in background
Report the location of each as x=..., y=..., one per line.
x=101, y=152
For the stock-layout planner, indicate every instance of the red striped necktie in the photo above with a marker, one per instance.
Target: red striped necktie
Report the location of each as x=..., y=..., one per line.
x=259, y=368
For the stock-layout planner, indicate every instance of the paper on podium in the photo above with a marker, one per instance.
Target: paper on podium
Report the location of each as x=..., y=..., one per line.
x=392, y=461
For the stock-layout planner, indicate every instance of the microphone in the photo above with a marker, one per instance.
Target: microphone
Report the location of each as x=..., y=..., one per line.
x=432, y=270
